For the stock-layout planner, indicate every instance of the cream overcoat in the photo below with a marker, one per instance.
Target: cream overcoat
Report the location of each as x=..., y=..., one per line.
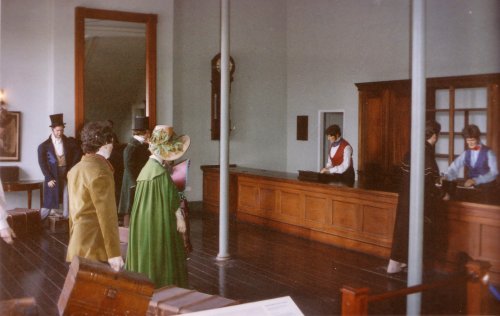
x=93, y=219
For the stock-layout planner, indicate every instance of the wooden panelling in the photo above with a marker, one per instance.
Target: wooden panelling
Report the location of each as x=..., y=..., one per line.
x=291, y=205
x=248, y=198
x=462, y=236
x=316, y=209
x=268, y=200
x=474, y=229
x=490, y=242
x=211, y=190
x=372, y=219
x=346, y=215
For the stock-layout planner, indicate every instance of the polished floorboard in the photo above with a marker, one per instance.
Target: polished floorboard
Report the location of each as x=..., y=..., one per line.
x=263, y=264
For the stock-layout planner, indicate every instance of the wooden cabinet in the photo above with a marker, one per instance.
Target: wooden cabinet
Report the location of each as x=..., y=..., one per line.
x=454, y=102
x=384, y=128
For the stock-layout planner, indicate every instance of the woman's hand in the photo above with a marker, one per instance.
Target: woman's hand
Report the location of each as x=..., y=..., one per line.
x=181, y=223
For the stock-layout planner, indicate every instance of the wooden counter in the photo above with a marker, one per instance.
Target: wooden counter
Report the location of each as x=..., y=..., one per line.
x=336, y=214
x=355, y=218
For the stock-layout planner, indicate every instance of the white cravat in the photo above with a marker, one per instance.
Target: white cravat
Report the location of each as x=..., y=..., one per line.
x=58, y=145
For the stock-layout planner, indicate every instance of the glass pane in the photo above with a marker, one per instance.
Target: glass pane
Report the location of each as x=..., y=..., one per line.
x=459, y=144
x=443, y=119
x=442, y=145
x=479, y=119
x=471, y=98
x=442, y=164
x=459, y=122
x=442, y=99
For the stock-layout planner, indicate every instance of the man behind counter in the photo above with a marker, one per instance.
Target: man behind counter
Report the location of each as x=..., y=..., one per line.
x=479, y=161
x=340, y=156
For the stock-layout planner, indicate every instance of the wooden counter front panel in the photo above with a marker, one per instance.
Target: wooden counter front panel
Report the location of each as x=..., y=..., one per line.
x=474, y=229
x=211, y=189
x=348, y=219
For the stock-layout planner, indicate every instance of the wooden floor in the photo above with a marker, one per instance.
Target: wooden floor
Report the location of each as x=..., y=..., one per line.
x=264, y=264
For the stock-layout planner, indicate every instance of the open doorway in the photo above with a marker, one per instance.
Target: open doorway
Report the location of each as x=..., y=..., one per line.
x=327, y=118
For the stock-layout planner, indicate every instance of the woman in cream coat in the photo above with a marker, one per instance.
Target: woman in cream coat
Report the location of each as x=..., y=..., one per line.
x=93, y=216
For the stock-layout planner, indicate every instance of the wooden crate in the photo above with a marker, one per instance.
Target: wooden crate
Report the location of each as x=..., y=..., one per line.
x=24, y=221
x=93, y=288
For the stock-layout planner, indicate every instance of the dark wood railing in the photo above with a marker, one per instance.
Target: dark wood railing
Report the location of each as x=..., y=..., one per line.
x=355, y=300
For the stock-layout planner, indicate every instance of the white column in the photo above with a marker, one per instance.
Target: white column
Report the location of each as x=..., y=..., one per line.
x=417, y=155
x=224, y=135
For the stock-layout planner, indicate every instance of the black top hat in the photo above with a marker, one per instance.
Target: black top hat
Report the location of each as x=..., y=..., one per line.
x=57, y=120
x=141, y=123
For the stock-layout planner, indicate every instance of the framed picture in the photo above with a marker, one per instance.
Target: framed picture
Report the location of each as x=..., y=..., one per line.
x=10, y=138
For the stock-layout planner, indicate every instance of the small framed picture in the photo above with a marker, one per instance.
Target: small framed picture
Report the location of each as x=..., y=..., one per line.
x=10, y=138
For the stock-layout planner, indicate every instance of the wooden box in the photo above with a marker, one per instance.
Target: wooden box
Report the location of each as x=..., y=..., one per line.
x=93, y=288
x=24, y=221
x=171, y=300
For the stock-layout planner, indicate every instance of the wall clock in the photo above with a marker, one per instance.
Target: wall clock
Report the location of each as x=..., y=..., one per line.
x=215, y=96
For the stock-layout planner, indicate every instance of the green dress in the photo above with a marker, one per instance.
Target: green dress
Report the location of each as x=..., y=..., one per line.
x=155, y=246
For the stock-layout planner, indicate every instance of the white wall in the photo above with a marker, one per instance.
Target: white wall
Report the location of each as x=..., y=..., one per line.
x=332, y=45
x=37, y=66
x=293, y=57
x=258, y=92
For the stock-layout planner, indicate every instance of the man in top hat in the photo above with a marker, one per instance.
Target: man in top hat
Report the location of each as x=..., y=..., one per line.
x=135, y=156
x=56, y=156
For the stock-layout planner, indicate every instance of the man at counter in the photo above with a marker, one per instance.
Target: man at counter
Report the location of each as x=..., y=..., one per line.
x=479, y=160
x=340, y=156
x=432, y=194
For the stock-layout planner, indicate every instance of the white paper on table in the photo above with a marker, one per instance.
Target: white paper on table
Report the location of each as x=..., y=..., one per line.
x=281, y=306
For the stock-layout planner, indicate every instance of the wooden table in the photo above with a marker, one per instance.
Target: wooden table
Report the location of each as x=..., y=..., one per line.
x=25, y=185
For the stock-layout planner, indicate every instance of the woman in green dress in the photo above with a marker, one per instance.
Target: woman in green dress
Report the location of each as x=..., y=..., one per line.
x=155, y=245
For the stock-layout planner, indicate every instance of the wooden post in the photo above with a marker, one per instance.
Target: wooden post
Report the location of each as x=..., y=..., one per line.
x=477, y=287
x=354, y=301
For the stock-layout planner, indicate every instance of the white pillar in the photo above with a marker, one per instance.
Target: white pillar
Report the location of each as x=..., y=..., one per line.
x=415, y=245
x=224, y=135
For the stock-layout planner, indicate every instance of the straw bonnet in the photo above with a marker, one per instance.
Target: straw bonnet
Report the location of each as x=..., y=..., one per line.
x=165, y=144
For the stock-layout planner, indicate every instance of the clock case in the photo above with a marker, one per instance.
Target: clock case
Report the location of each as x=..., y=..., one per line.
x=215, y=95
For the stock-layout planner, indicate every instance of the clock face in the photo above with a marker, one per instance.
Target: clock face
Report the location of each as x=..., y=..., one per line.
x=217, y=65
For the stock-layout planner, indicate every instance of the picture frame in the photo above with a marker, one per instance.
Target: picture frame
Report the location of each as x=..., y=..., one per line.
x=10, y=138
